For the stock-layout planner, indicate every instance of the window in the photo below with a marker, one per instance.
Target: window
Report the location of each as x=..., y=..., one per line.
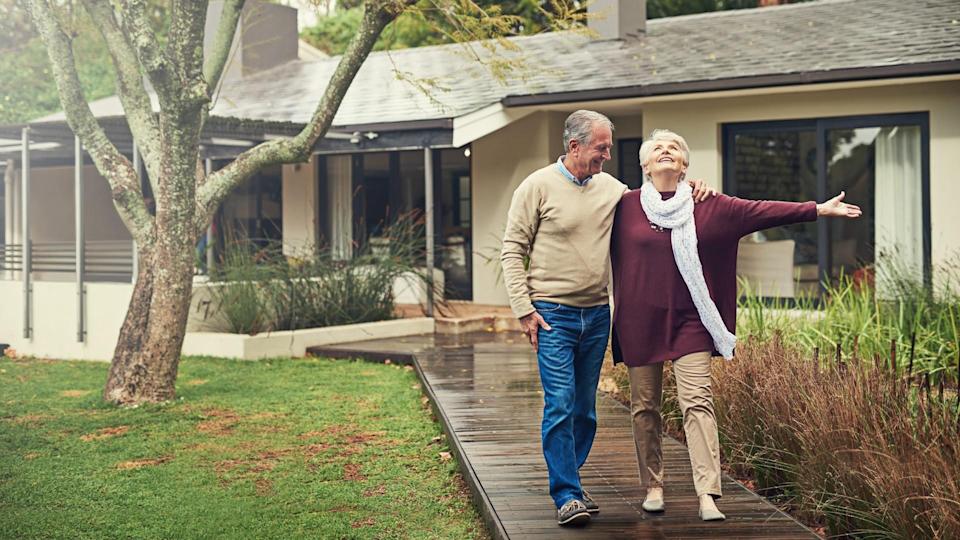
x=365, y=192
x=881, y=162
x=254, y=211
x=628, y=162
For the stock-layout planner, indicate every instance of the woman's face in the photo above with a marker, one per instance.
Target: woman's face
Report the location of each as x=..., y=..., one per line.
x=665, y=157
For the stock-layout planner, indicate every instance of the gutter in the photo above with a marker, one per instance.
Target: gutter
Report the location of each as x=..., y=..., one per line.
x=947, y=67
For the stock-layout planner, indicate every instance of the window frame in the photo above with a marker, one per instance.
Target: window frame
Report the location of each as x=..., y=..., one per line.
x=821, y=126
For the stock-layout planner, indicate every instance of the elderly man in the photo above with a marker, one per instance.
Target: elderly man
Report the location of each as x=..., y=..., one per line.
x=561, y=217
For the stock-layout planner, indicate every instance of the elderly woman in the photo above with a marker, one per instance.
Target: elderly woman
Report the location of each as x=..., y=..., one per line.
x=675, y=298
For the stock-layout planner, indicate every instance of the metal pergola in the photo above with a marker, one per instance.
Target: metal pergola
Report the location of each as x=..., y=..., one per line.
x=49, y=144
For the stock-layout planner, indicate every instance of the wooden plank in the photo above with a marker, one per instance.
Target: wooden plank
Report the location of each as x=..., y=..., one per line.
x=486, y=391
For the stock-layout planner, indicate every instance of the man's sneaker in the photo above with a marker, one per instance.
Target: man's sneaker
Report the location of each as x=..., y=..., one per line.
x=591, y=504
x=573, y=513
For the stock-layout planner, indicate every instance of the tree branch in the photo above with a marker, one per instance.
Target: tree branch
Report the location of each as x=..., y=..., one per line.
x=134, y=97
x=376, y=16
x=184, y=52
x=117, y=169
x=215, y=62
x=135, y=22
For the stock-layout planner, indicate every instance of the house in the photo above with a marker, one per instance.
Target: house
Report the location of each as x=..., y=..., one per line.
x=792, y=102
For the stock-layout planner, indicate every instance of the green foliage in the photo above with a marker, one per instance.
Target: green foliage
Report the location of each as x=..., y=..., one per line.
x=267, y=449
x=26, y=80
x=672, y=8
x=922, y=325
x=257, y=289
x=431, y=23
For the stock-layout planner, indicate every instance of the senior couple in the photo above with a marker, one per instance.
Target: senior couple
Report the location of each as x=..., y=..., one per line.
x=673, y=249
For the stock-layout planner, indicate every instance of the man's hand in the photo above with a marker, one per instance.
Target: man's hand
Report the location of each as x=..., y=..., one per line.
x=835, y=207
x=531, y=324
x=701, y=191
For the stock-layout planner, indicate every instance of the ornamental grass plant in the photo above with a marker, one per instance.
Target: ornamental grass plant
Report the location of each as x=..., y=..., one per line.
x=844, y=410
x=257, y=288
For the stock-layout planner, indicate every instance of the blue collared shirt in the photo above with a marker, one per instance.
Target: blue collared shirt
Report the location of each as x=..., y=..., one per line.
x=563, y=170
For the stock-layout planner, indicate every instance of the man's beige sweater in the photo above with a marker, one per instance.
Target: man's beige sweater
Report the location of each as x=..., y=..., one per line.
x=565, y=229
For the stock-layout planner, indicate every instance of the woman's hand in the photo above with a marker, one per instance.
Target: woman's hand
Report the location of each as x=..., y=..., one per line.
x=835, y=207
x=701, y=191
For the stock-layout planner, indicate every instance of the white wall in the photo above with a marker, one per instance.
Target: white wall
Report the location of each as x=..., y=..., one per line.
x=699, y=122
x=51, y=206
x=300, y=200
x=55, y=319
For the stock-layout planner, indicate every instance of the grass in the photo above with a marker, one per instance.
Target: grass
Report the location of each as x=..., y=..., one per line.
x=269, y=449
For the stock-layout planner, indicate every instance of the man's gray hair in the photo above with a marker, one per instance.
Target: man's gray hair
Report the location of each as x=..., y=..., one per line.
x=662, y=135
x=579, y=127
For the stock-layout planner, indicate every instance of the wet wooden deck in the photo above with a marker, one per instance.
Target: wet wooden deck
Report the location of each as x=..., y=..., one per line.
x=485, y=390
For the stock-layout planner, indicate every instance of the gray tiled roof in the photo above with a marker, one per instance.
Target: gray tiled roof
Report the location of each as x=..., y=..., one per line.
x=822, y=36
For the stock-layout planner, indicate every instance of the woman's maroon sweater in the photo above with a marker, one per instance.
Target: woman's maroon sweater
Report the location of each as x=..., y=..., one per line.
x=654, y=316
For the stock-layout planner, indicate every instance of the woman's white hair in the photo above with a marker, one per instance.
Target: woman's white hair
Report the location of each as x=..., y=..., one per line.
x=662, y=135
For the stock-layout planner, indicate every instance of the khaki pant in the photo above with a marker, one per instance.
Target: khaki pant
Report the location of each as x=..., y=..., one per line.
x=692, y=373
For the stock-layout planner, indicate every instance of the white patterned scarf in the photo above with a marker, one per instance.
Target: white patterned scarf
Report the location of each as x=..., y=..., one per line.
x=676, y=214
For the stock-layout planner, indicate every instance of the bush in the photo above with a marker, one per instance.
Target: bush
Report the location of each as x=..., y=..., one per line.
x=867, y=451
x=846, y=410
x=257, y=289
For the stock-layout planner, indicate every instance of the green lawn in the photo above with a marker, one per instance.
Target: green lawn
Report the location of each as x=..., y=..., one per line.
x=271, y=449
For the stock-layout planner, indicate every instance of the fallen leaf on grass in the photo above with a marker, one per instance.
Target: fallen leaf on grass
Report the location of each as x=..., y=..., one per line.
x=196, y=382
x=141, y=463
x=31, y=455
x=380, y=490
x=359, y=524
x=74, y=393
x=264, y=486
x=351, y=472
x=445, y=456
x=105, y=433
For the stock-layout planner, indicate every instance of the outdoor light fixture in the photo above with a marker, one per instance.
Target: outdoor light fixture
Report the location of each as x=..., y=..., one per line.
x=223, y=141
x=466, y=152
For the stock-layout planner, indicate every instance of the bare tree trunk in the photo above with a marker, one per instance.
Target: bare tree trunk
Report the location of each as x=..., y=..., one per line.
x=147, y=355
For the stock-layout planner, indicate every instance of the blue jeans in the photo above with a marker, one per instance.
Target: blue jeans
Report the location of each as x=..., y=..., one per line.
x=570, y=356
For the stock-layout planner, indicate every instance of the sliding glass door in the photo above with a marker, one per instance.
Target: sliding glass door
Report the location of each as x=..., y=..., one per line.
x=364, y=193
x=882, y=164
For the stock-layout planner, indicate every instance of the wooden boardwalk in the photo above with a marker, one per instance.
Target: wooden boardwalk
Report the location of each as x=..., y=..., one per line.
x=485, y=390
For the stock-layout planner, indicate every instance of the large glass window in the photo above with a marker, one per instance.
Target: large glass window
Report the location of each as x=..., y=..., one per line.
x=628, y=162
x=878, y=161
x=254, y=210
x=453, y=223
x=386, y=185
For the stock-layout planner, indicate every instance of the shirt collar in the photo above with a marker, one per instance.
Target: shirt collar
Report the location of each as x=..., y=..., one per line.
x=563, y=170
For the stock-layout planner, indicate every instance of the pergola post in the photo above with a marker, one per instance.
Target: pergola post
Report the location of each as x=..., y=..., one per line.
x=9, y=215
x=136, y=257
x=208, y=166
x=428, y=203
x=25, y=235
x=79, y=237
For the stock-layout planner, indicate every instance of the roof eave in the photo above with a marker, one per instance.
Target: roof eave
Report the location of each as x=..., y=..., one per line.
x=739, y=83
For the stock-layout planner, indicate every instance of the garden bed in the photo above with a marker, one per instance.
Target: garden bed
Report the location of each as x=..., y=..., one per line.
x=295, y=342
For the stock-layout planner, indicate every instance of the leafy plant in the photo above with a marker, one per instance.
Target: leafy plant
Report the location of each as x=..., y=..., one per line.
x=258, y=289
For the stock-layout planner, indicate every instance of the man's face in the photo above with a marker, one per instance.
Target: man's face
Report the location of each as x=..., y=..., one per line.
x=590, y=157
